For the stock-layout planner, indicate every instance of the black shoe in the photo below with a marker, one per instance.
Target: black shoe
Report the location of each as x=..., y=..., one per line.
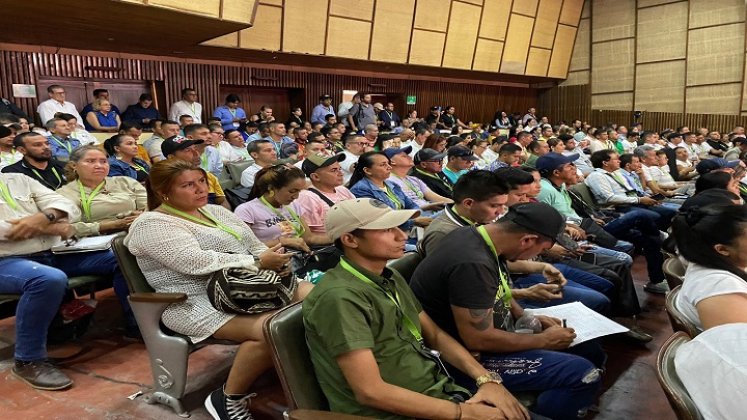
x=223, y=407
x=41, y=375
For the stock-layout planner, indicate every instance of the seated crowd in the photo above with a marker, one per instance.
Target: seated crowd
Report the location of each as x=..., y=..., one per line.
x=507, y=216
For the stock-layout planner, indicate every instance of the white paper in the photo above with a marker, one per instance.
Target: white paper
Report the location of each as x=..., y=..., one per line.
x=87, y=244
x=587, y=323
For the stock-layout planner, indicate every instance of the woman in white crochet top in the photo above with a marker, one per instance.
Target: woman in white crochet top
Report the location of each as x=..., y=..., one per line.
x=178, y=245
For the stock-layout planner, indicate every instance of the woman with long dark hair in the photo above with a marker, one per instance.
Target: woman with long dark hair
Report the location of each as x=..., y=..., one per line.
x=123, y=161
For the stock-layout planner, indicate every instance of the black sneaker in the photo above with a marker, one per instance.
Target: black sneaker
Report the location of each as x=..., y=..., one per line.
x=41, y=375
x=223, y=407
x=660, y=288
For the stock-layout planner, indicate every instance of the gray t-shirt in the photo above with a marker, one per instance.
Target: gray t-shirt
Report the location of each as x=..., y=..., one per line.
x=363, y=115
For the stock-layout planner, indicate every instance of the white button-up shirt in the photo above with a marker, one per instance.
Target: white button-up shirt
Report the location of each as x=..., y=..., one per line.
x=185, y=108
x=48, y=108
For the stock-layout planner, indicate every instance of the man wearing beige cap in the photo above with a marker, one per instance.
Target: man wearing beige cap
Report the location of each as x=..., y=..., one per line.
x=374, y=350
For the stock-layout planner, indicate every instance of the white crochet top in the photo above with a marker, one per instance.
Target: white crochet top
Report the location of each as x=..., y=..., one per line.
x=178, y=256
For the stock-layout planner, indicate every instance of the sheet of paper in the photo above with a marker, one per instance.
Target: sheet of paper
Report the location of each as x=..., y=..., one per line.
x=587, y=323
x=87, y=244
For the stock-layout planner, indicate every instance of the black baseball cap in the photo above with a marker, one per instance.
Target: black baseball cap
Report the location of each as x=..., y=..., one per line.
x=539, y=218
x=175, y=143
x=325, y=96
x=462, y=152
x=426, y=155
x=5, y=131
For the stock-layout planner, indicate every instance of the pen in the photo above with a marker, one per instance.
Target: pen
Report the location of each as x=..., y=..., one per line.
x=564, y=324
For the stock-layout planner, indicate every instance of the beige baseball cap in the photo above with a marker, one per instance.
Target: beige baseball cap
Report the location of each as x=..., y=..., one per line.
x=364, y=213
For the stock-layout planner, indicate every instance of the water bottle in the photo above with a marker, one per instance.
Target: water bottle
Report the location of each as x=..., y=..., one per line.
x=528, y=324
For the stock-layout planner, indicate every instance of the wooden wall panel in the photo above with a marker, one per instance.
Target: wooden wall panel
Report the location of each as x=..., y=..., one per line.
x=230, y=41
x=612, y=67
x=656, y=42
x=586, y=11
x=622, y=100
x=660, y=87
x=488, y=55
x=278, y=3
x=473, y=101
x=712, y=13
x=427, y=48
x=612, y=19
x=649, y=3
x=517, y=45
x=538, y=62
x=265, y=34
x=462, y=35
x=348, y=38
x=716, y=99
x=494, y=23
x=391, y=36
x=525, y=7
x=432, y=14
x=571, y=12
x=715, y=55
x=358, y=9
x=580, y=77
x=581, y=57
x=561, y=51
x=298, y=35
x=546, y=23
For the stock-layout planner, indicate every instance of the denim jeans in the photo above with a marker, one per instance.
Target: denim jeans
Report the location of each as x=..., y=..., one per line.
x=616, y=254
x=568, y=381
x=639, y=226
x=591, y=290
x=41, y=279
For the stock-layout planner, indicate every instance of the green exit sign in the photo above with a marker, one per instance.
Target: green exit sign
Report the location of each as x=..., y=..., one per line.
x=411, y=100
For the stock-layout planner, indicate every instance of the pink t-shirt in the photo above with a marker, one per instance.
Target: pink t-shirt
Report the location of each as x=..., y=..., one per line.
x=265, y=223
x=314, y=209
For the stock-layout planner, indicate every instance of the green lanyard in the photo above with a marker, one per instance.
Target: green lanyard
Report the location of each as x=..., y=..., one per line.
x=297, y=226
x=5, y=193
x=86, y=200
x=215, y=223
x=65, y=144
x=393, y=297
x=743, y=188
x=411, y=186
x=507, y=296
x=204, y=161
x=469, y=221
x=140, y=168
x=11, y=155
x=393, y=198
x=41, y=178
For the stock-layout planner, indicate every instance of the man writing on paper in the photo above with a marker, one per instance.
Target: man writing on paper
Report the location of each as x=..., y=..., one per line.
x=464, y=287
x=33, y=218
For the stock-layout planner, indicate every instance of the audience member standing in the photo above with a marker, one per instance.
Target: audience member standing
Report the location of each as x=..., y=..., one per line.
x=322, y=110
x=231, y=114
x=187, y=106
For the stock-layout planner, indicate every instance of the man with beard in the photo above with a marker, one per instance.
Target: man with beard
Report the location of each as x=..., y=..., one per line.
x=37, y=161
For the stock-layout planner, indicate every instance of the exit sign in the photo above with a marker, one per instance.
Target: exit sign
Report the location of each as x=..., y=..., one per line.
x=411, y=100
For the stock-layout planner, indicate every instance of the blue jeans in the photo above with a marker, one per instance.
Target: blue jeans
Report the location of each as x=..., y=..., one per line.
x=622, y=256
x=567, y=381
x=41, y=279
x=591, y=290
x=639, y=226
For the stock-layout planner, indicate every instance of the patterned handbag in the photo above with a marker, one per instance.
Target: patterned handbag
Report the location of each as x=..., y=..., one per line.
x=246, y=292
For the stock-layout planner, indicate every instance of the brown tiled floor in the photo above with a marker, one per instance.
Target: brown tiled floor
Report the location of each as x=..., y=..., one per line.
x=110, y=369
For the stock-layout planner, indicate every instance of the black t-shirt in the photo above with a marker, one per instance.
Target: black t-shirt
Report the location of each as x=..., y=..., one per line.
x=463, y=272
x=439, y=185
x=448, y=120
x=53, y=177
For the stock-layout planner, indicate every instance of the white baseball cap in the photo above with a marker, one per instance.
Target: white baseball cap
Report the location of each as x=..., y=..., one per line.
x=364, y=213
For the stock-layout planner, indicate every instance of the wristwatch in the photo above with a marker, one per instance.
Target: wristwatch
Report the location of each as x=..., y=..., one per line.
x=489, y=377
x=50, y=215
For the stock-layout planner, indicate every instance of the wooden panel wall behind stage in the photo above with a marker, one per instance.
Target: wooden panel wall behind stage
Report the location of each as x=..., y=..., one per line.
x=474, y=101
x=571, y=102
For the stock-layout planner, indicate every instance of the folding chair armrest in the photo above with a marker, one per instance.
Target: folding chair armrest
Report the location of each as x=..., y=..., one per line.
x=158, y=297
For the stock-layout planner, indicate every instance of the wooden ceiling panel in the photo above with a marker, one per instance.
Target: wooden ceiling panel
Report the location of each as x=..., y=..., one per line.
x=209, y=8
x=432, y=15
x=265, y=34
x=358, y=9
x=488, y=55
x=546, y=23
x=515, y=51
x=571, y=12
x=238, y=10
x=525, y=7
x=391, y=38
x=298, y=35
x=462, y=35
x=537, y=62
x=348, y=38
x=427, y=48
x=494, y=22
